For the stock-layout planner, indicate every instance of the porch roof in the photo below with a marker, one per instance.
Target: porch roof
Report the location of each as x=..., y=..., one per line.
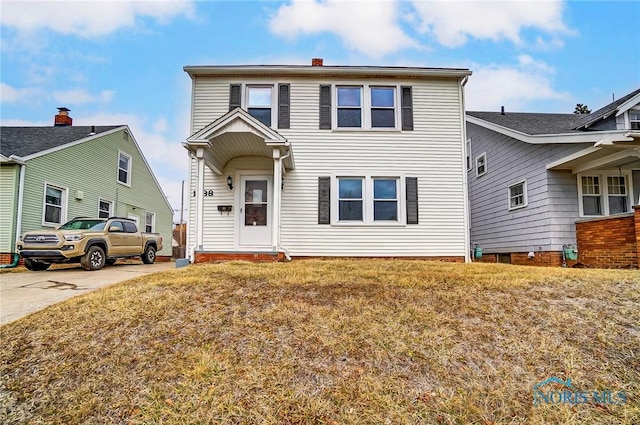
x=237, y=134
x=604, y=154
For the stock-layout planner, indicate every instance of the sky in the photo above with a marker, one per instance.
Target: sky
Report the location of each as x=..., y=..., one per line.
x=121, y=62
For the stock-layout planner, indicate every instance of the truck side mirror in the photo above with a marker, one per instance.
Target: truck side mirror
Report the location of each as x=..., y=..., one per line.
x=115, y=229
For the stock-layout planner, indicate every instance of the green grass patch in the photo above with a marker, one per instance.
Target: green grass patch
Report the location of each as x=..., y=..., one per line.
x=329, y=342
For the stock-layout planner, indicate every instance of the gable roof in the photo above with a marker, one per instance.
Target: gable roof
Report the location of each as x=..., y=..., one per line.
x=24, y=141
x=532, y=123
x=606, y=111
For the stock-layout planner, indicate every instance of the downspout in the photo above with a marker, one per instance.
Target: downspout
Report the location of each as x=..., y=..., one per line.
x=16, y=256
x=465, y=183
x=280, y=247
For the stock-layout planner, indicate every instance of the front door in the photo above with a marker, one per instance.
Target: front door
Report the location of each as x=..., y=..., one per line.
x=255, y=211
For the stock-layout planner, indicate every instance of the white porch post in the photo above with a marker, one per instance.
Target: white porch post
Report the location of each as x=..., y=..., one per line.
x=200, y=199
x=277, y=194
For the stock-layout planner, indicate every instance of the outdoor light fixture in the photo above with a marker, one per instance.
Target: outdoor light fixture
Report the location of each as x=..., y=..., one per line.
x=230, y=183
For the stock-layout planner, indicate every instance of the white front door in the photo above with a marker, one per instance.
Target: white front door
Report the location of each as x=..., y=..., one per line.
x=255, y=211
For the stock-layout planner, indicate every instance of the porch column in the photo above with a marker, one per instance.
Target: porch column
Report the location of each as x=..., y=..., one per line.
x=277, y=194
x=200, y=199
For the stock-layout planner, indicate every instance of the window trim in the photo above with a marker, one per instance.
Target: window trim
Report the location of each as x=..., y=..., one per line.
x=525, y=198
x=63, y=204
x=631, y=122
x=130, y=167
x=153, y=221
x=604, y=190
x=468, y=154
x=110, y=213
x=366, y=107
x=368, y=200
x=483, y=155
x=274, y=100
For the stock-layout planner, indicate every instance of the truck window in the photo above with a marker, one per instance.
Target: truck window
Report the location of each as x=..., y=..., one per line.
x=130, y=227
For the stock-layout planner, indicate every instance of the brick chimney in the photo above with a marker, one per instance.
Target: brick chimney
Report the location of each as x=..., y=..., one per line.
x=316, y=62
x=62, y=119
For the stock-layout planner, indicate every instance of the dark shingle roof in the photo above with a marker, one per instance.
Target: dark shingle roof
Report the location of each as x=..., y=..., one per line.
x=605, y=110
x=532, y=123
x=23, y=141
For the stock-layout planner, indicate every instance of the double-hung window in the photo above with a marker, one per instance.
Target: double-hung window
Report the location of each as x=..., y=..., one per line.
x=124, y=168
x=368, y=200
x=259, y=103
x=481, y=164
x=104, y=208
x=634, y=119
x=518, y=195
x=604, y=194
x=383, y=107
x=349, y=106
x=149, y=222
x=54, y=207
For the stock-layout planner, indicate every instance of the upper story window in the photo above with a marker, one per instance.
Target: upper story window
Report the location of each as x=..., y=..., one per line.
x=366, y=107
x=481, y=164
x=634, y=119
x=54, y=206
x=604, y=194
x=468, y=154
x=259, y=103
x=124, y=168
x=349, y=106
x=268, y=103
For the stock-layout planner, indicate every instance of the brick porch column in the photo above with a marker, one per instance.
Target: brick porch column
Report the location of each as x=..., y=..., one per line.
x=636, y=217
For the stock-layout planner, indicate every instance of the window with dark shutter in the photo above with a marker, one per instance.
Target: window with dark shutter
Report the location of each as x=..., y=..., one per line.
x=411, y=184
x=284, y=100
x=324, y=200
x=325, y=107
x=407, y=108
x=234, y=96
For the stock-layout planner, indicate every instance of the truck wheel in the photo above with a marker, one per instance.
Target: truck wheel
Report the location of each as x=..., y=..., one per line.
x=149, y=255
x=93, y=259
x=35, y=266
x=110, y=261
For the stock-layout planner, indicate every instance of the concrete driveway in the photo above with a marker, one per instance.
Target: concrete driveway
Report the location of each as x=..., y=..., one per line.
x=24, y=293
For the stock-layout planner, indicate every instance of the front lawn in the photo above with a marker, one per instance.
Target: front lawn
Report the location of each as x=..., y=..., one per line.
x=332, y=342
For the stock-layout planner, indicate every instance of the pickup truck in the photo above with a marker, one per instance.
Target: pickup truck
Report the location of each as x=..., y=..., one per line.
x=92, y=242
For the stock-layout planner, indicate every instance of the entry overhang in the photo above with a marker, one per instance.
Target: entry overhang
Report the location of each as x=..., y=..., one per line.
x=238, y=134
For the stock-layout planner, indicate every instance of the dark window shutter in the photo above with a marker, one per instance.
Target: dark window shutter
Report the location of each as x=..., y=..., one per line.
x=325, y=107
x=412, y=200
x=234, y=96
x=407, y=108
x=324, y=200
x=283, y=105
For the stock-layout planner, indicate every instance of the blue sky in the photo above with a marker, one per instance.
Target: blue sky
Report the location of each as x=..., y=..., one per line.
x=120, y=62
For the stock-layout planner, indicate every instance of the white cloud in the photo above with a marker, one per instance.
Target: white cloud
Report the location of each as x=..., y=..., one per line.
x=9, y=94
x=89, y=18
x=454, y=22
x=79, y=97
x=512, y=86
x=370, y=27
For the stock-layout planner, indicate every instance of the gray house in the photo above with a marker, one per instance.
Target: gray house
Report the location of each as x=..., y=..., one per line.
x=539, y=183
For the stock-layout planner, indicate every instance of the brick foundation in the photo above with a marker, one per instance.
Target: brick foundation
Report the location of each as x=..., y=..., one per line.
x=7, y=258
x=210, y=257
x=541, y=259
x=610, y=242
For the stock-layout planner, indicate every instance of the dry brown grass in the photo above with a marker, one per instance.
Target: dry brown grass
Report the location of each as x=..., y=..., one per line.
x=329, y=342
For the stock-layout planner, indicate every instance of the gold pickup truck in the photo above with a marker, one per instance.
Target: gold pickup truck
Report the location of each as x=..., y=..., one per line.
x=92, y=242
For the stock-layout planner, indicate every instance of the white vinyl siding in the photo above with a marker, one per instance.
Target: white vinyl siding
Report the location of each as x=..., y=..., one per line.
x=433, y=153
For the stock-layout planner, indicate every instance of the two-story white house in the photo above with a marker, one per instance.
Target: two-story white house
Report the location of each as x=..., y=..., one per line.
x=300, y=161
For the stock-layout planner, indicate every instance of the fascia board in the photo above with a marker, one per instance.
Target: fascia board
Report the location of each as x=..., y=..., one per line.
x=76, y=142
x=628, y=105
x=586, y=137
